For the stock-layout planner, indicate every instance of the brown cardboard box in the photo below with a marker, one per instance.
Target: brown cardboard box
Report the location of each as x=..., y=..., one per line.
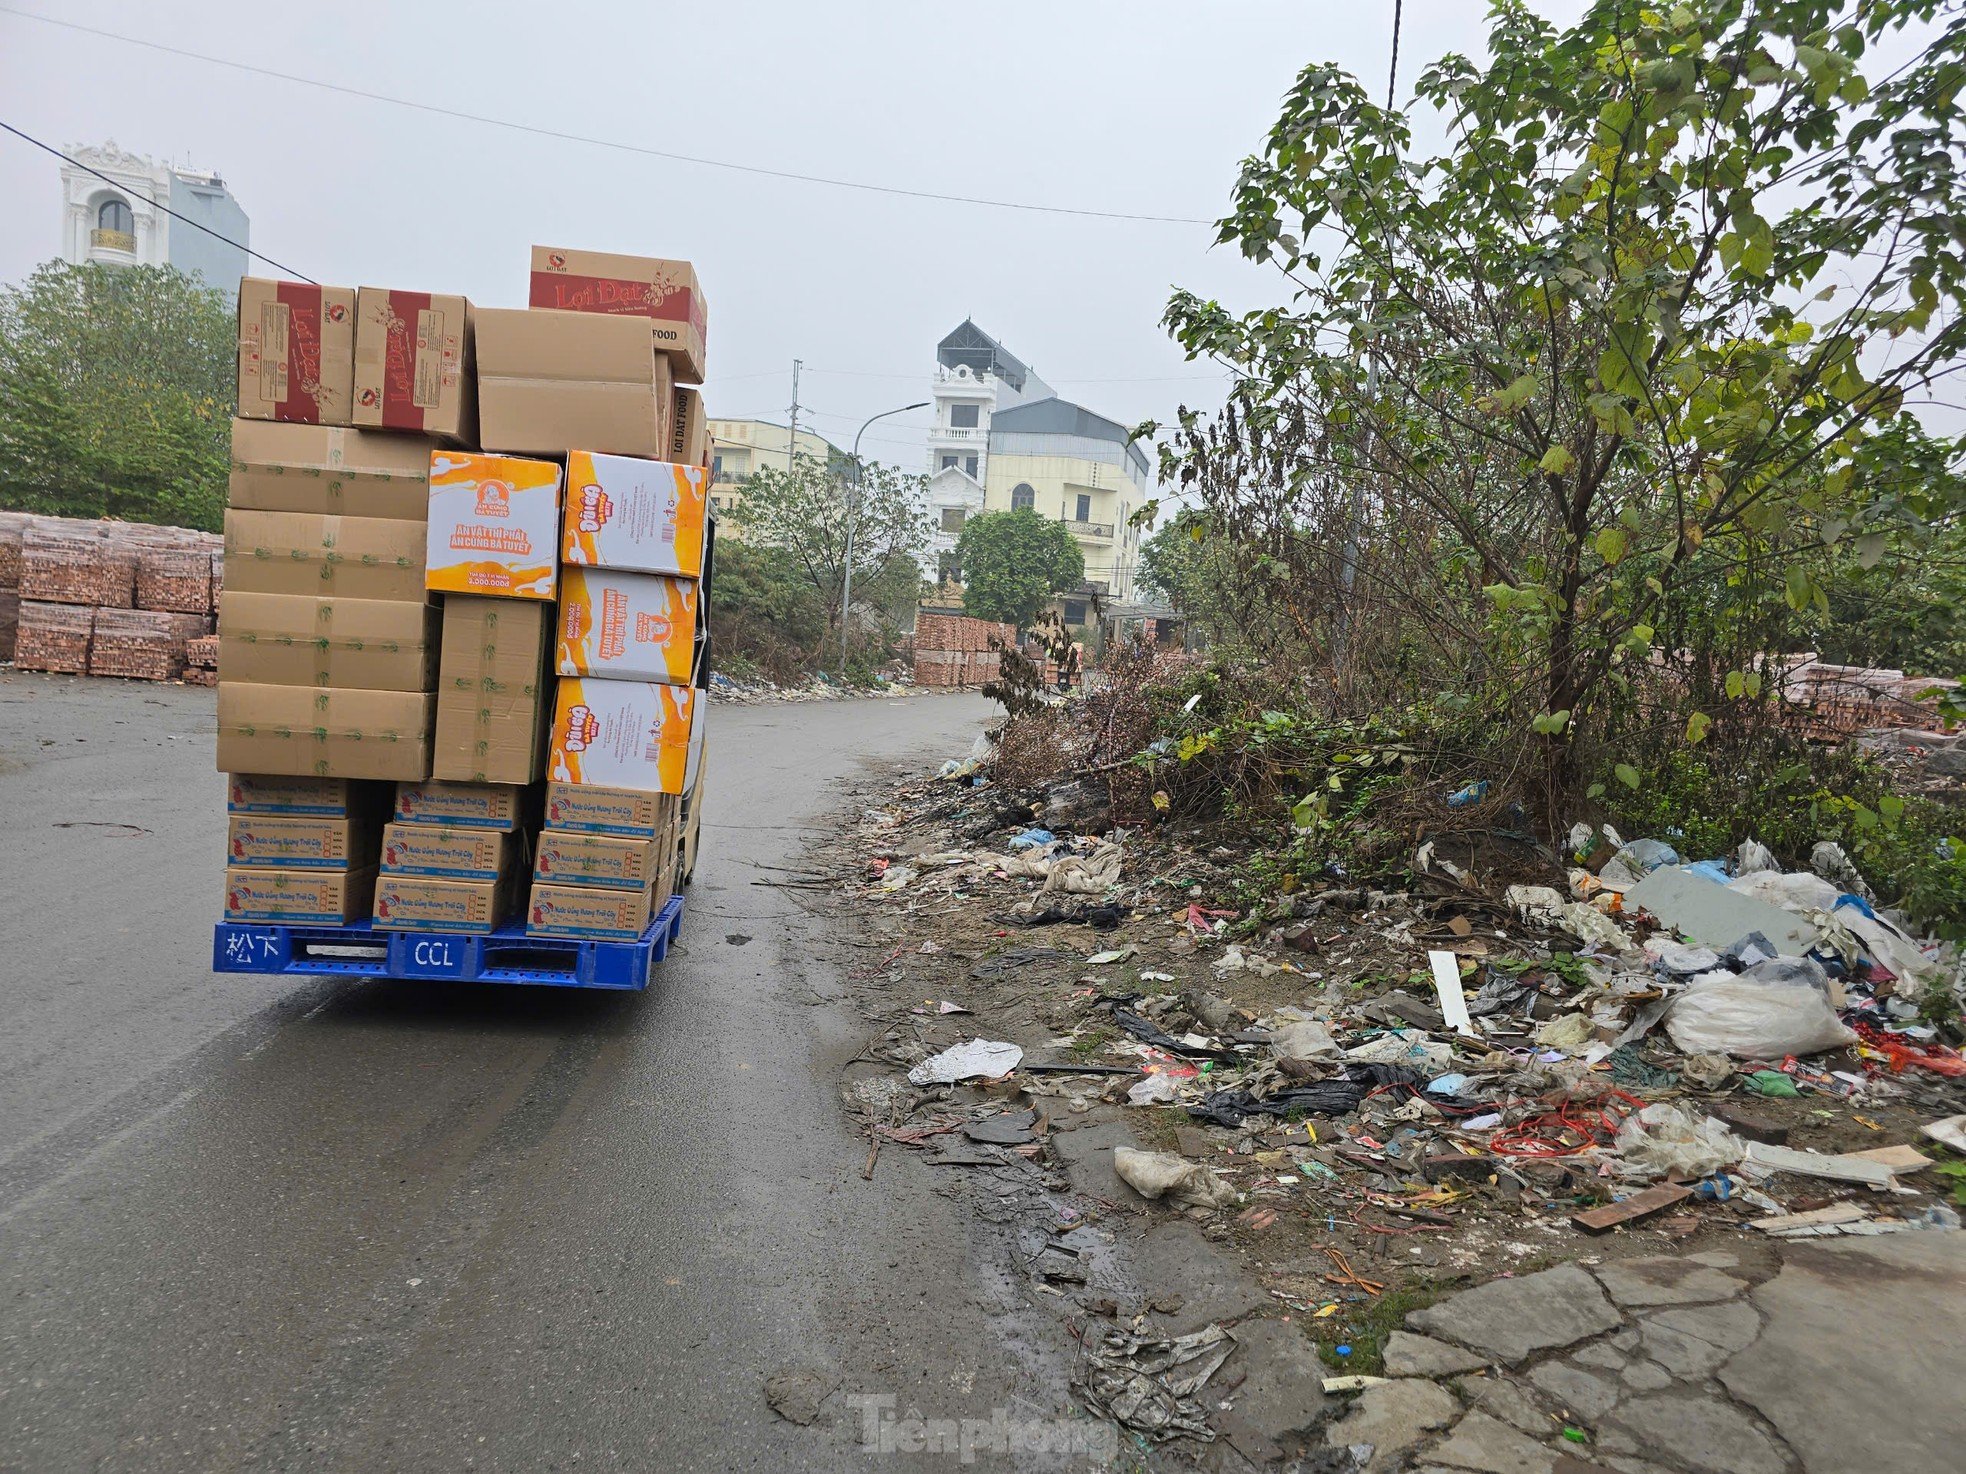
x=418, y=903
x=447, y=851
x=329, y=471
x=689, y=433
x=569, y=857
x=494, y=696
x=665, y=292
x=322, y=732
x=549, y=382
x=628, y=812
x=479, y=805
x=354, y=644
x=326, y=798
x=296, y=351
x=301, y=842
x=306, y=553
x=326, y=897
x=413, y=363
x=588, y=912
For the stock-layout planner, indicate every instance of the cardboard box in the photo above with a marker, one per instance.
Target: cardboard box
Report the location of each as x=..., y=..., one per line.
x=569, y=857
x=493, y=525
x=475, y=805
x=588, y=912
x=355, y=644
x=627, y=626
x=494, y=690
x=643, y=516
x=300, y=842
x=339, y=557
x=418, y=903
x=296, y=352
x=689, y=432
x=322, y=732
x=329, y=471
x=413, y=363
x=628, y=812
x=326, y=798
x=665, y=292
x=324, y=897
x=621, y=734
x=548, y=381
x=447, y=851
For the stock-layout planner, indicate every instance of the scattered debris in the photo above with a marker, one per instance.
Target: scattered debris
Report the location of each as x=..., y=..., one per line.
x=969, y=1061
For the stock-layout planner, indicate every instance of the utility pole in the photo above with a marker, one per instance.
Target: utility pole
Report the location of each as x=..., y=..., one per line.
x=852, y=515
x=792, y=440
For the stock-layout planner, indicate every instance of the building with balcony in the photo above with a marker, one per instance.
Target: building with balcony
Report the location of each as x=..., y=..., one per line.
x=1003, y=439
x=117, y=221
x=739, y=447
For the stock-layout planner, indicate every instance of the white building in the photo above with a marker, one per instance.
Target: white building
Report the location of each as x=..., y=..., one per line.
x=117, y=221
x=1003, y=439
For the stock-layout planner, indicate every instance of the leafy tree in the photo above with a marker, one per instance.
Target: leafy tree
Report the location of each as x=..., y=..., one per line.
x=808, y=512
x=1603, y=380
x=116, y=391
x=1013, y=562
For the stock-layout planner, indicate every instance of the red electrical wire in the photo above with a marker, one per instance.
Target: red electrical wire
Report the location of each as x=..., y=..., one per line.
x=1572, y=1128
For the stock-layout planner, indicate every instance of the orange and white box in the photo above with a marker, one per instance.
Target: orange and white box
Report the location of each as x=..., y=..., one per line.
x=622, y=734
x=642, y=516
x=626, y=626
x=494, y=525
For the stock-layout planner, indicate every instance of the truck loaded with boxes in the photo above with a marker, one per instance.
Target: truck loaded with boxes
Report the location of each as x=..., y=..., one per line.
x=463, y=653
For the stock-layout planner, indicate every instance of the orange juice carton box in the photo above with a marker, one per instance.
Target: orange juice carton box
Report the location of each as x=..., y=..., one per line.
x=621, y=734
x=642, y=516
x=627, y=626
x=494, y=523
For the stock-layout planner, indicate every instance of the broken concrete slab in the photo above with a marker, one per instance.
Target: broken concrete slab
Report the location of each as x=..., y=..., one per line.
x=1281, y=1401
x=1511, y=1319
x=1393, y=1417
x=1211, y=1283
x=1584, y=1393
x=1856, y=1327
x=1708, y=912
x=1481, y=1441
x=1408, y=1355
x=1691, y=1342
x=1704, y=1433
x=1638, y=1283
x=1510, y=1401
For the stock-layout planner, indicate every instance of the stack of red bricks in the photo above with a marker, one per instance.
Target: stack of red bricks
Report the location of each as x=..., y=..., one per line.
x=953, y=651
x=104, y=598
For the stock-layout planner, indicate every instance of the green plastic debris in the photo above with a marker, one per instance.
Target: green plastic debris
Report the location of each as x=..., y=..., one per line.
x=1576, y=1435
x=1773, y=1082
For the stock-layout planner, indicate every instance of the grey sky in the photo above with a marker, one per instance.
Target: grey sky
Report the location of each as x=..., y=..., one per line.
x=1127, y=105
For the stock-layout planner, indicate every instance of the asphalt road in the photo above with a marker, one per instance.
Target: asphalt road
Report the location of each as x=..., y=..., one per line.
x=373, y=1225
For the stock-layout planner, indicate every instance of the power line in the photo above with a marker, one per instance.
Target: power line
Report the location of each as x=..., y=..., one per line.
x=632, y=148
x=156, y=204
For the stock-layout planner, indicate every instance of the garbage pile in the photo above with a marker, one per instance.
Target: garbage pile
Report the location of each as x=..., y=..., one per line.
x=1647, y=1037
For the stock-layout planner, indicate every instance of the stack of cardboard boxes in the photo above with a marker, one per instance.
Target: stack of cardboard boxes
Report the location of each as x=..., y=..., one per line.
x=495, y=498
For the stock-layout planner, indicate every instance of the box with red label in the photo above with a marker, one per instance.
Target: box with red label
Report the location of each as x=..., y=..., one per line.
x=413, y=363
x=619, y=811
x=325, y=798
x=613, y=862
x=643, y=516
x=621, y=734
x=295, y=896
x=296, y=352
x=300, y=842
x=493, y=523
x=446, y=851
x=419, y=903
x=475, y=805
x=591, y=912
x=628, y=626
x=666, y=292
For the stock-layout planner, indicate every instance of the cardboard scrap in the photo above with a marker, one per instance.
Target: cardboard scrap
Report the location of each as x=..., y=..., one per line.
x=1638, y=1205
x=1849, y=1167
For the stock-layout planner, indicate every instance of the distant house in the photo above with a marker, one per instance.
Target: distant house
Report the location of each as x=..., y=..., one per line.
x=117, y=221
x=1003, y=439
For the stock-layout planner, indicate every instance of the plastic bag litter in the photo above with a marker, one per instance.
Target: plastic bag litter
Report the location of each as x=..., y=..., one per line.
x=1828, y=860
x=1154, y=1090
x=1677, y=957
x=1643, y=856
x=1752, y=1018
x=1706, y=1071
x=1163, y=1175
x=1407, y=1047
x=970, y=1060
x=1085, y=875
x=1663, y=1140
x=1752, y=856
x=1571, y=1033
x=1304, y=1039
x=1149, y=1385
x=1582, y=921
x=1031, y=838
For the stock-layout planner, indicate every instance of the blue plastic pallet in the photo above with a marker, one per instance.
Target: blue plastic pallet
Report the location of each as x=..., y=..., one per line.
x=507, y=955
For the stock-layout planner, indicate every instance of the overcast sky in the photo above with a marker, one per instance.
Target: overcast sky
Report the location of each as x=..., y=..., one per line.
x=1138, y=106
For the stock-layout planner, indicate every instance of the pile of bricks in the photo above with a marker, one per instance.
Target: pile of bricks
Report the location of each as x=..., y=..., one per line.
x=953, y=651
x=201, y=661
x=104, y=598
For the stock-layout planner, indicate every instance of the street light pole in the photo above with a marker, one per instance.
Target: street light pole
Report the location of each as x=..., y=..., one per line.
x=846, y=581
